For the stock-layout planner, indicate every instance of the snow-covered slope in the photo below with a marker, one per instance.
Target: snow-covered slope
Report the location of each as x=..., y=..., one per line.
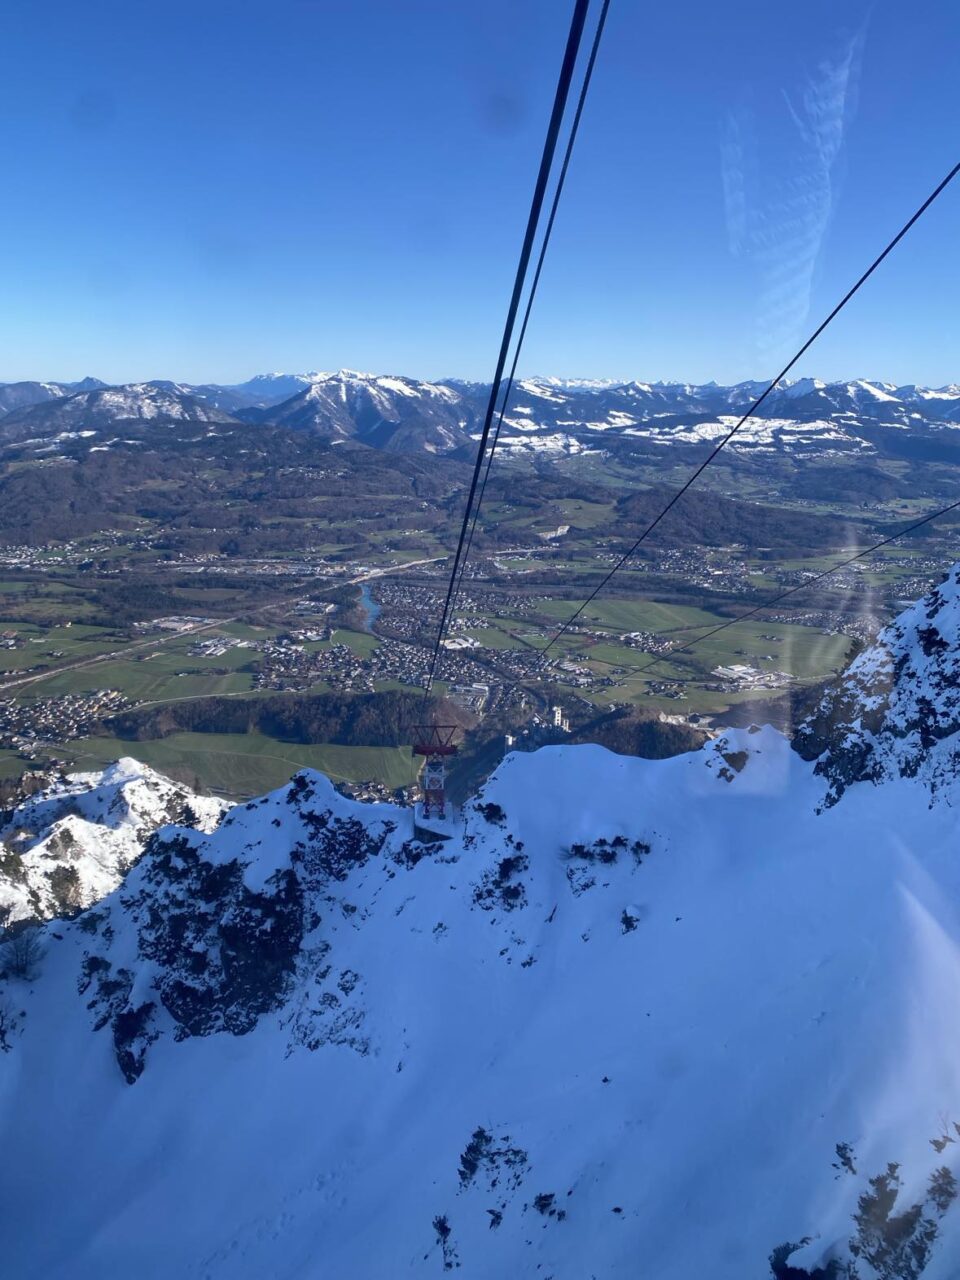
x=386, y=412
x=104, y=406
x=271, y=388
x=690, y=1018
x=641, y=1019
x=70, y=844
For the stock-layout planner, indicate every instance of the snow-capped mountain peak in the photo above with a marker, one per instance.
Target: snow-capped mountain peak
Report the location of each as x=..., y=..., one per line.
x=801, y=387
x=70, y=844
x=548, y=415
x=379, y=410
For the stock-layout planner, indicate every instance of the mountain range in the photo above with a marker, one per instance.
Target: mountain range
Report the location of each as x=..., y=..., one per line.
x=545, y=416
x=693, y=1017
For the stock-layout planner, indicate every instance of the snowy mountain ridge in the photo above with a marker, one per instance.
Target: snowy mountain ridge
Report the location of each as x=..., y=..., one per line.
x=104, y=406
x=666, y=1018
x=546, y=415
x=69, y=846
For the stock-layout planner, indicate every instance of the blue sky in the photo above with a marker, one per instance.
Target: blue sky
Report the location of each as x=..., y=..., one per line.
x=211, y=189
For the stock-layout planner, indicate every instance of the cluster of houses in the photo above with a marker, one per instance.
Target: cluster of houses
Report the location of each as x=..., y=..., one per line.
x=648, y=641
x=288, y=665
x=217, y=646
x=27, y=727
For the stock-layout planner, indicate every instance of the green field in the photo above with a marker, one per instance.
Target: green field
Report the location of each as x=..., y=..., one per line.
x=167, y=676
x=521, y=613
x=39, y=644
x=12, y=765
x=360, y=642
x=242, y=765
x=494, y=637
x=630, y=615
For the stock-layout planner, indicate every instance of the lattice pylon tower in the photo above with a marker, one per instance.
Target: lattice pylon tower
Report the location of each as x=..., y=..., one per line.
x=435, y=743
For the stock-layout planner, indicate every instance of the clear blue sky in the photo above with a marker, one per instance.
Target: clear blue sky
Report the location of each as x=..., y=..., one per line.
x=211, y=189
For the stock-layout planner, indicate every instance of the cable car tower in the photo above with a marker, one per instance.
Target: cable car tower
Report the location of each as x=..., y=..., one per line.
x=435, y=743
x=431, y=816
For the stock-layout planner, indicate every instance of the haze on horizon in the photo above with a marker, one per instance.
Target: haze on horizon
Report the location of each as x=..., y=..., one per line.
x=297, y=187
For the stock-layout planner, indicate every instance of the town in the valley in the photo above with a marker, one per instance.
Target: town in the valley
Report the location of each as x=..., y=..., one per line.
x=361, y=628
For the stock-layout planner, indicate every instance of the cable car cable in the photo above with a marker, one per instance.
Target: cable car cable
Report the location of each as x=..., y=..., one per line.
x=766, y=604
x=588, y=75
x=802, y=586
x=546, y=161
x=941, y=186
x=760, y=608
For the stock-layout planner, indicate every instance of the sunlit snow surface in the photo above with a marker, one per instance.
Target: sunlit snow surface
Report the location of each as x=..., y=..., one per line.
x=95, y=825
x=674, y=1041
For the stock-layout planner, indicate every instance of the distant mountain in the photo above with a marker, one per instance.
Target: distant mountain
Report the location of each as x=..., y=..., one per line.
x=556, y=416
x=211, y=394
x=21, y=395
x=546, y=417
x=272, y=388
x=394, y=413
x=86, y=384
x=804, y=417
x=93, y=410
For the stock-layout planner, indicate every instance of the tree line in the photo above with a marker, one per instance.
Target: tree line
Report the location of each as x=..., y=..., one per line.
x=359, y=720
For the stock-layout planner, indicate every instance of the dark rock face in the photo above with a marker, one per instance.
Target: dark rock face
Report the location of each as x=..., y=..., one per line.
x=892, y=711
x=219, y=953
x=225, y=953
x=335, y=847
x=494, y=1160
x=222, y=955
x=133, y=1031
x=502, y=887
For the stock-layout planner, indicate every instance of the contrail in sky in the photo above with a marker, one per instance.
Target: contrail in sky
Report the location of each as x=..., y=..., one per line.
x=779, y=191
